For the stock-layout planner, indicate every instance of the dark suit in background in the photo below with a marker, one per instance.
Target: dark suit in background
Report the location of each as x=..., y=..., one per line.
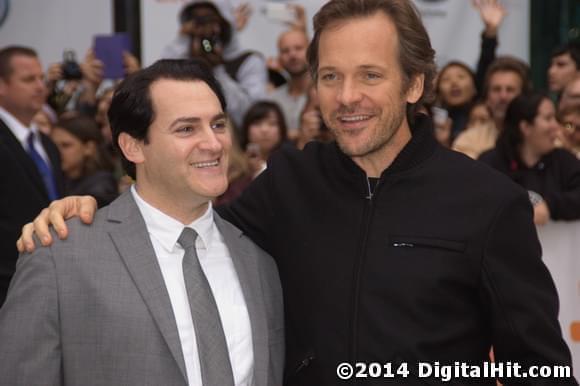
x=22, y=196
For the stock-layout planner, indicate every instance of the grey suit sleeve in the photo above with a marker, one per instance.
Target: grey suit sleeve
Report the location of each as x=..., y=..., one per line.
x=30, y=351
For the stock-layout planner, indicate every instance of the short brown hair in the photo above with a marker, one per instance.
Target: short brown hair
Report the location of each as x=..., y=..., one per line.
x=416, y=56
x=571, y=109
x=508, y=64
x=6, y=55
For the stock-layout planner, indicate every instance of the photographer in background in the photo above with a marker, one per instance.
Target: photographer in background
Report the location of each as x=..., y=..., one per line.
x=74, y=86
x=205, y=33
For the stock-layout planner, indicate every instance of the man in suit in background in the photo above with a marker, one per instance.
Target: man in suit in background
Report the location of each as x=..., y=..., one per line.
x=30, y=175
x=159, y=290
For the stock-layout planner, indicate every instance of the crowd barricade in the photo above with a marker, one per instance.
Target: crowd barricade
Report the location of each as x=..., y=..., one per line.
x=561, y=253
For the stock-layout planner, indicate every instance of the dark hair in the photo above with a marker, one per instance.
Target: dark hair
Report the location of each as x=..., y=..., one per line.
x=87, y=130
x=188, y=11
x=416, y=56
x=573, y=108
x=257, y=112
x=523, y=108
x=131, y=109
x=6, y=55
x=508, y=64
x=572, y=48
x=276, y=78
x=456, y=63
x=479, y=102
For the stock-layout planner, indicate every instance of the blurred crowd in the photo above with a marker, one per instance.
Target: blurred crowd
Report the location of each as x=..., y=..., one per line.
x=492, y=114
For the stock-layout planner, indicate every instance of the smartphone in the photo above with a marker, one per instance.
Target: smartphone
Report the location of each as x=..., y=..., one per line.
x=279, y=12
x=71, y=70
x=109, y=50
x=440, y=115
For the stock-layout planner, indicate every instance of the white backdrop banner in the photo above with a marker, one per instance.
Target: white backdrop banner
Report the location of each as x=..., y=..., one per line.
x=454, y=27
x=51, y=26
x=561, y=253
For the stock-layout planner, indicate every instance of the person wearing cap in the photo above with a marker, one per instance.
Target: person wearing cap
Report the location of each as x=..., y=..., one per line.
x=207, y=34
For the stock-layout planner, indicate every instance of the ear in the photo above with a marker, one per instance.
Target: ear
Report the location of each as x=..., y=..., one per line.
x=415, y=90
x=525, y=128
x=132, y=148
x=2, y=88
x=90, y=148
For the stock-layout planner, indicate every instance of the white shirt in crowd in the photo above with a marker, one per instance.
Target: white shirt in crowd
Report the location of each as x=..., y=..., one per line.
x=22, y=132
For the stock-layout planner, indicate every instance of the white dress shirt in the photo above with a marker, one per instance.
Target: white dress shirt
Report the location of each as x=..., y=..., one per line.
x=22, y=132
x=216, y=262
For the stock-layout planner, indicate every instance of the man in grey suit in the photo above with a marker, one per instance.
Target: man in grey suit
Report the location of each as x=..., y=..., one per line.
x=159, y=290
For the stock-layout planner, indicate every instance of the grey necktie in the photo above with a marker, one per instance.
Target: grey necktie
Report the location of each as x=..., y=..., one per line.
x=212, y=348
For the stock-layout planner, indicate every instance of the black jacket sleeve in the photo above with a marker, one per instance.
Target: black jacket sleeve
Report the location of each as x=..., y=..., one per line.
x=486, y=57
x=253, y=211
x=564, y=203
x=519, y=294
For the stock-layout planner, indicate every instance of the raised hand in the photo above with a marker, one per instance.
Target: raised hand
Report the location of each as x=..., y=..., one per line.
x=242, y=14
x=492, y=13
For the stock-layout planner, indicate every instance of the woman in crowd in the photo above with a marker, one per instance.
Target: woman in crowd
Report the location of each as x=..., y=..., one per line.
x=85, y=164
x=456, y=91
x=263, y=130
x=526, y=152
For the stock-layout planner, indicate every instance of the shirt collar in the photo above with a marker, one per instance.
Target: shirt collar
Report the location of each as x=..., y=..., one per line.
x=20, y=131
x=167, y=230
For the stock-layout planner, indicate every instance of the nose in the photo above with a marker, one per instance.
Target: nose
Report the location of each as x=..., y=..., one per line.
x=210, y=142
x=349, y=93
x=555, y=125
x=505, y=96
x=551, y=70
x=40, y=85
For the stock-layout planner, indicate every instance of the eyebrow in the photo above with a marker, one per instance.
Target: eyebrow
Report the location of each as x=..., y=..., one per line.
x=327, y=68
x=361, y=67
x=192, y=120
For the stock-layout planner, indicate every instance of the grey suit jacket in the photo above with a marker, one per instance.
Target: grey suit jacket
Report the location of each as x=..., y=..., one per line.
x=94, y=309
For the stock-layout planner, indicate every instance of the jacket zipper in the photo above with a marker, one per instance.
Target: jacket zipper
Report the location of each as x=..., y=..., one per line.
x=352, y=347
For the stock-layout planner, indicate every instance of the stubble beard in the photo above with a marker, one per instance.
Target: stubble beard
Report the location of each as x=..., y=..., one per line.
x=380, y=138
x=299, y=73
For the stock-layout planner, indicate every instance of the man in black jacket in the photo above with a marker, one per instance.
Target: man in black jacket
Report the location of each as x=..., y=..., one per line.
x=30, y=174
x=391, y=249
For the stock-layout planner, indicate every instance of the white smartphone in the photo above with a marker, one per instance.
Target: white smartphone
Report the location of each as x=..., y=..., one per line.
x=279, y=12
x=440, y=115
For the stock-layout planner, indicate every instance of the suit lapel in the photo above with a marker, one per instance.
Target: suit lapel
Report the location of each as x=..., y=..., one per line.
x=22, y=157
x=246, y=265
x=129, y=233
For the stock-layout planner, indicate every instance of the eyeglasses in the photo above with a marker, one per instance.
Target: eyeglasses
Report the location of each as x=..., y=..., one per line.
x=570, y=127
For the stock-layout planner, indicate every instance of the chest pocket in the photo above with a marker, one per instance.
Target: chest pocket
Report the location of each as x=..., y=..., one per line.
x=425, y=243
x=416, y=264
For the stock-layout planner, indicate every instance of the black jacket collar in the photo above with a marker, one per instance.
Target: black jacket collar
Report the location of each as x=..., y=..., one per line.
x=414, y=153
